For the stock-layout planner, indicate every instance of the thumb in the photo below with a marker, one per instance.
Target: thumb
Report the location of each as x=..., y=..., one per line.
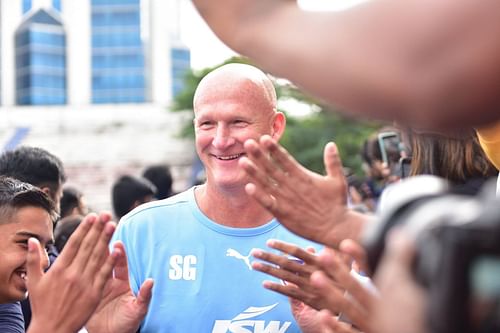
x=34, y=269
x=144, y=295
x=331, y=159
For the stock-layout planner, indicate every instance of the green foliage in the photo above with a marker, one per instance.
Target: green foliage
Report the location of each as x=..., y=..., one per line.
x=305, y=136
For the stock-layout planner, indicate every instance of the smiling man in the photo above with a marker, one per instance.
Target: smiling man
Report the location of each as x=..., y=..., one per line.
x=25, y=214
x=196, y=245
x=76, y=280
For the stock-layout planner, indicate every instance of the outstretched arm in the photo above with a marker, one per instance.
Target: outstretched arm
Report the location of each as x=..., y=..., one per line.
x=310, y=205
x=421, y=62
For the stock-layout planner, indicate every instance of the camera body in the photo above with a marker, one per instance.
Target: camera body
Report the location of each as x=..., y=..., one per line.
x=457, y=241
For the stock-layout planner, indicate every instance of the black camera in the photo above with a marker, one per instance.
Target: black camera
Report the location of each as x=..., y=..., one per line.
x=457, y=241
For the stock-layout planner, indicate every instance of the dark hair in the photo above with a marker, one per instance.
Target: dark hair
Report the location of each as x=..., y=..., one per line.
x=371, y=150
x=70, y=200
x=64, y=229
x=161, y=177
x=33, y=165
x=15, y=194
x=127, y=190
x=458, y=158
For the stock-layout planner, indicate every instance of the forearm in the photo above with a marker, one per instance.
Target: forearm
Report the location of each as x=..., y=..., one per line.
x=407, y=61
x=351, y=227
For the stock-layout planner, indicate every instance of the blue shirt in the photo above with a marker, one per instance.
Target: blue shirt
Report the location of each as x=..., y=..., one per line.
x=11, y=318
x=203, y=278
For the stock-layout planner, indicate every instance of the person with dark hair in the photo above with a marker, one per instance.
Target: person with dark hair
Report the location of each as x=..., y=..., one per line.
x=161, y=177
x=129, y=192
x=35, y=166
x=76, y=280
x=72, y=202
x=64, y=229
x=458, y=158
x=38, y=167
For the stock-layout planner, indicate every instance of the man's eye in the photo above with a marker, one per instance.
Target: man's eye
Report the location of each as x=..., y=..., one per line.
x=23, y=243
x=240, y=122
x=205, y=124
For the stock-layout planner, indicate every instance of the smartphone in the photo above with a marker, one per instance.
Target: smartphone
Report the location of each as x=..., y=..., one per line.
x=405, y=166
x=390, y=147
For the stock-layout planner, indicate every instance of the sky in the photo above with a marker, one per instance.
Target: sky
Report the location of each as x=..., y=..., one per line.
x=207, y=50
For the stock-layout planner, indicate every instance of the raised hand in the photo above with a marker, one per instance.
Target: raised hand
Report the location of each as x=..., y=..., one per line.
x=358, y=304
x=120, y=311
x=309, y=204
x=64, y=298
x=293, y=268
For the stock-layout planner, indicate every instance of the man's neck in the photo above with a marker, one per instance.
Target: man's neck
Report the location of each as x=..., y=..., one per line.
x=232, y=208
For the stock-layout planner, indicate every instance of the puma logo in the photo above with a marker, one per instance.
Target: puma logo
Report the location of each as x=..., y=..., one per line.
x=246, y=259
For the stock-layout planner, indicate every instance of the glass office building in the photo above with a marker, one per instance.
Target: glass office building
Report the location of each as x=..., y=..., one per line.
x=40, y=59
x=81, y=52
x=181, y=63
x=118, y=65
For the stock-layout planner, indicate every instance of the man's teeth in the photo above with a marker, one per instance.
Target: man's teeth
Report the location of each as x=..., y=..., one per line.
x=231, y=157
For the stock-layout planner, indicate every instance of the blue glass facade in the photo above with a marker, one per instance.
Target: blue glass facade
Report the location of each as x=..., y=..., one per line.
x=181, y=63
x=26, y=6
x=118, y=66
x=40, y=44
x=56, y=4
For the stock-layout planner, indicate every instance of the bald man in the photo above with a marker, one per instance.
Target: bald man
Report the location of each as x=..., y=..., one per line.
x=196, y=245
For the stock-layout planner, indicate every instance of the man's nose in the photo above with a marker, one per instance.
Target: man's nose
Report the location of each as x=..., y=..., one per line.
x=222, y=138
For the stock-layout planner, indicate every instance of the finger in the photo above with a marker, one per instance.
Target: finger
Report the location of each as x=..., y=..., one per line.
x=330, y=323
x=280, y=273
x=90, y=242
x=258, y=175
x=356, y=252
x=284, y=262
x=290, y=291
x=121, y=267
x=342, y=275
x=282, y=158
x=336, y=301
x=333, y=163
x=263, y=198
x=307, y=257
x=105, y=273
x=267, y=165
x=144, y=295
x=100, y=252
x=34, y=268
x=72, y=247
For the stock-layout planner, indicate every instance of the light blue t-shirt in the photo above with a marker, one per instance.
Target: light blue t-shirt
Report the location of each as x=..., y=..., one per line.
x=202, y=273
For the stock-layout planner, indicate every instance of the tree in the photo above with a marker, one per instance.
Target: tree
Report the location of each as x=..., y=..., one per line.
x=305, y=136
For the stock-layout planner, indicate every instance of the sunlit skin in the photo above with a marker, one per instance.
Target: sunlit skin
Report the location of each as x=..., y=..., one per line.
x=232, y=104
x=24, y=223
x=229, y=109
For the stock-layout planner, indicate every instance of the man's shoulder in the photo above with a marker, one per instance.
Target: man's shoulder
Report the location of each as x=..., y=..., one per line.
x=11, y=318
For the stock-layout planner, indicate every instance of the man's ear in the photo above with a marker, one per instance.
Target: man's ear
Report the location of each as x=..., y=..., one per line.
x=46, y=190
x=279, y=124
